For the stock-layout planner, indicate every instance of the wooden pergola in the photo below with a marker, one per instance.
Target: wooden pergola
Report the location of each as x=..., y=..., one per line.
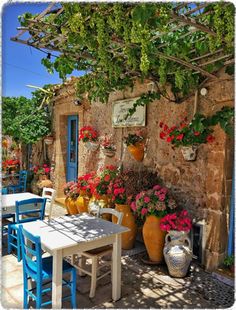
x=190, y=16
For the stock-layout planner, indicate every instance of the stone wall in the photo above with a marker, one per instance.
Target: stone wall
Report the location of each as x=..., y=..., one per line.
x=202, y=186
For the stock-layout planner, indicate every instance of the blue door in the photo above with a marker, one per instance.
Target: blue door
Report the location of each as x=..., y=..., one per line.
x=72, y=148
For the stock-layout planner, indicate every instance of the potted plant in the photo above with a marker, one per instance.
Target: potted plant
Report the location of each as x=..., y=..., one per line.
x=72, y=193
x=119, y=197
x=108, y=146
x=84, y=191
x=151, y=205
x=229, y=262
x=48, y=140
x=177, y=249
x=89, y=136
x=135, y=145
x=99, y=188
x=188, y=136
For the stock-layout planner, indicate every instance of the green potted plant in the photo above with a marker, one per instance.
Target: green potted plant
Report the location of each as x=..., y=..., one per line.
x=135, y=145
x=229, y=262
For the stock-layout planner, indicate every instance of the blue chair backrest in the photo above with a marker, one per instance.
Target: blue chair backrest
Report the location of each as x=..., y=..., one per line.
x=23, y=179
x=31, y=254
x=4, y=191
x=33, y=208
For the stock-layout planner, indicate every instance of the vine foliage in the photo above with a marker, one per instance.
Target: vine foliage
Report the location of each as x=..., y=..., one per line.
x=118, y=43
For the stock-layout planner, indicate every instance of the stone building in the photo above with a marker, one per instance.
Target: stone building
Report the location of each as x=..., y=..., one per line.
x=202, y=186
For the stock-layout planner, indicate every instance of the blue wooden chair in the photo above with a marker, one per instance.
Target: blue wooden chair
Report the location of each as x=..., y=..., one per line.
x=38, y=268
x=22, y=182
x=6, y=217
x=26, y=211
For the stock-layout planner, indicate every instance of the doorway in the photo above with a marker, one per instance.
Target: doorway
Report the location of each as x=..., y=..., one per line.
x=72, y=148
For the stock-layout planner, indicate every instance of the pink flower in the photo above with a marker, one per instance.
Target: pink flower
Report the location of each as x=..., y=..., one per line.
x=157, y=187
x=144, y=211
x=162, y=197
x=146, y=199
x=133, y=206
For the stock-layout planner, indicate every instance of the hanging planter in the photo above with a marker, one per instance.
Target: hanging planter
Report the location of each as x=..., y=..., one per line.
x=48, y=140
x=91, y=146
x=137, y=150
x=189, y=152
x=108, y=152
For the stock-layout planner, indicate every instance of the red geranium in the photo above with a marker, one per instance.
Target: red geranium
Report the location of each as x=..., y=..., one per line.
x=195, y=132
x=88, y=133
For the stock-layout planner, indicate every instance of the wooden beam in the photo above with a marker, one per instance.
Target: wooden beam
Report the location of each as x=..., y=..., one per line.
x=190, y=21
x=215, y=60
x=189, y=65
x=208, y=54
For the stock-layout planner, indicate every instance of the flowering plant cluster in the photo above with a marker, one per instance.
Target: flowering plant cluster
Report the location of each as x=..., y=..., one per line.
x=71, y=189
x=107, y=143
x=44, y=169
x=134, y=138
x=88, y=134
x=179, y=221
x=117, y=191
x=100, y=183
x=10, y=162
x=156, y=201
x=186, y=134
x=85, y=181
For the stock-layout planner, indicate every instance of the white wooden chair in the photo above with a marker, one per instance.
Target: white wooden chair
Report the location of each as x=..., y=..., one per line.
x=50, y=194
x=96, y=256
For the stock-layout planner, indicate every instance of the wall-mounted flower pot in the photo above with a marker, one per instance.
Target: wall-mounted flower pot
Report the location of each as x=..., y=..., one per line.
x=91, y=146
x=137, y=150
x=108, y=153
x=189, y=152
x=48, y=140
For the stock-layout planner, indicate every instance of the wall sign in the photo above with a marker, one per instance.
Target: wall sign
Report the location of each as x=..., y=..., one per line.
x=120, y=109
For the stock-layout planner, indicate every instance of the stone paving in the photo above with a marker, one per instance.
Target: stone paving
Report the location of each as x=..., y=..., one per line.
x=143, y=286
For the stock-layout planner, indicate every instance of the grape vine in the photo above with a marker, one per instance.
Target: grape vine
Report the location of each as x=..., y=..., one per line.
x=118, y=43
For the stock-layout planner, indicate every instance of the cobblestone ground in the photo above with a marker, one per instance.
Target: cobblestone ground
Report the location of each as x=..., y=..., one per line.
x=143, y=286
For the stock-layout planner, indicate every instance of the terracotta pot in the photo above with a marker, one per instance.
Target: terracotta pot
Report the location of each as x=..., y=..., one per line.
x=71, y=206
x=102, y=202
x=128, y=238
x=82, y=202
x=137, y=150
x=43, y=177
x=154, y=238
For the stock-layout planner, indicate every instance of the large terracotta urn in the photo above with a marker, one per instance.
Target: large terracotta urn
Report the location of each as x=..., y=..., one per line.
x=128, y=220
x=103, y=201
x=154, y=238
x=137, y=150
x=71, y=206
x=82, y=202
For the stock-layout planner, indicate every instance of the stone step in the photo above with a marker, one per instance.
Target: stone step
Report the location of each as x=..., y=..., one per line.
x=61, y=201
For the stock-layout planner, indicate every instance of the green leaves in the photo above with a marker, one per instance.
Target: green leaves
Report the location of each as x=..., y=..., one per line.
x=23, y=120
x=120, y=42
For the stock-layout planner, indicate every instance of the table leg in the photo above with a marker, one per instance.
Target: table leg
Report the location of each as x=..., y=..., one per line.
x=116, y=268
x=57, y=279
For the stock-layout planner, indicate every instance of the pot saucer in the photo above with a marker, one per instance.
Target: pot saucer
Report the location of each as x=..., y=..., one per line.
x=146, y=260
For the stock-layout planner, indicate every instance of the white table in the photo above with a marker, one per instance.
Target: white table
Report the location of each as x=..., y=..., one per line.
x=68, y=235
x=9, y=201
